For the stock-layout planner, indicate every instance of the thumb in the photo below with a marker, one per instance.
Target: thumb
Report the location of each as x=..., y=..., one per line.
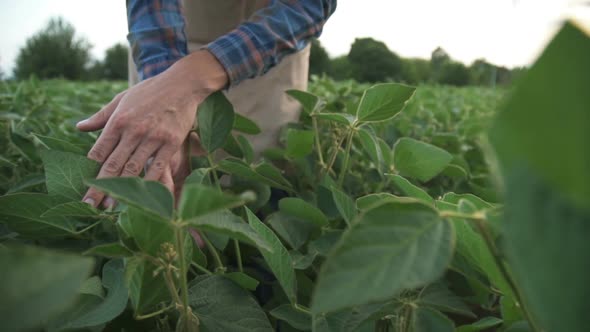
x=100, y=118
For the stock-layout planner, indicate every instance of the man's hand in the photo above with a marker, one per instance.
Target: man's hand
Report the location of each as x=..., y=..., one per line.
x=152, y=118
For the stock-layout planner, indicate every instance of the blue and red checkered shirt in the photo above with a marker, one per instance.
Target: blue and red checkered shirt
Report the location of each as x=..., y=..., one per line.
x=158, y=39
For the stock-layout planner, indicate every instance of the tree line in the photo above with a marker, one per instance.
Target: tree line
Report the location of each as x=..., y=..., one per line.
x=57, y=52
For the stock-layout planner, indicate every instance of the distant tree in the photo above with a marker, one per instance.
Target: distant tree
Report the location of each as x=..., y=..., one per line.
x=482, y=73
x=340, y=68
x=319, y=61
x=454, y=73
x=372, y=61
x=438, y=59
x=55, y=51
x=115, y=63
x=415, y=70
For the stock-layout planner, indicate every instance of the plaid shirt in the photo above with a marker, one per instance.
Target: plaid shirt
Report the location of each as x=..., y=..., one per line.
x=157, y=37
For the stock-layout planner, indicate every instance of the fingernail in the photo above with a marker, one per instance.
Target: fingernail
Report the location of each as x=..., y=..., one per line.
x=89, y=201
x=83, y=122
x=109, y=202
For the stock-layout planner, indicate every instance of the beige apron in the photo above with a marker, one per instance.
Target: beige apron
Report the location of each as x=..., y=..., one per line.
x=261, y=99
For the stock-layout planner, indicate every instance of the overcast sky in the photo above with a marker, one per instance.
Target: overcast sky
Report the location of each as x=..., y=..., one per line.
x=505, y=32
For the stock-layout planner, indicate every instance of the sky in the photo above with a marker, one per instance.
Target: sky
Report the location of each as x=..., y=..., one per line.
x=505, y=32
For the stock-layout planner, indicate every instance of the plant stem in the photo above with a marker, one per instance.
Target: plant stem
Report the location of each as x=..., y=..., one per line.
x=318, y=146
x=155, y=313
x=238, y=255
x=333, y=156
x=301, y=308
x=183, y=268
x=200, y=268
x=213, y=251
x=346, y=157
x=213, y=165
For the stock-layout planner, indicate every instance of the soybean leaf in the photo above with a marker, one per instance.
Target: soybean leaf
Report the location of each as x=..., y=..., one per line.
x=198, y=176
x=22, y=213
x=386, y=152
x=247, y=150
x=245, y=125
x=301, y=261
x=357, y=319
x=146, y=290
x=59, y=145
x=264, y=172
x=308, y=101
x=232, y=147
x=383, y=101
x=299, y=208
x=278, y=259
x=371, y=147
x=296, y=318
x=345, y=205
x=148, y=230
x=409, y=189
x=27, y=182
x=293, y=230
x=438, y=296
x=224, y=306
x=145, y=195
x=73, y=209
x=427, y=320
x=226, y=223
x=479, y=203
x=37, y=285
x=367, y=201
x=88, y=313
x=92, y=286
x=65, y=174
x=299, y=143
x=273, y=175
x=243, y=280
x=343, y=118
x=482, y=324
x=409, y=246
x=419, y=160
x=215, y=117
x=198, y=200
x=111, y=250
x=323, y=244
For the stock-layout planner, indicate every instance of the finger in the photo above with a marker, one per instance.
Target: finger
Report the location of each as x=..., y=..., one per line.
x=161, y=161
x=112, y=167
x=100, y=118
x=166, y=179
x=196, y=147
x=142, y=153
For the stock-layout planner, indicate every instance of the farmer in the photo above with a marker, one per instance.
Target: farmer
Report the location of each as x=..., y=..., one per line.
x=253, y=49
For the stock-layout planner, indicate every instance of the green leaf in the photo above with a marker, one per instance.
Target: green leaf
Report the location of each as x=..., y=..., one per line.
x=73, y=209
x=145, y=195
x=419, y=160
x=393, y=246
x=296, y=318
x=27, y=182
x=367, y=201
x=198, y=176
x=232, y=147
x=521, y=326
x=110, y=250
x=438, y=296
x=479, y=203
x=343, y=118
x=299, y=208
x=546, y=123
x=37, y=284
x=409, y=189
x=383, y=101
x=223, y=306
x=92, y=286
x=146, y=291
x=264, y=173
x=386, y=152
x=243, y=280
x=278, y=259
x=198, y=200
x=299, y=143
x=23, y=212
x=215, y=117
x=148, y=230
x=350, y=320
x=66, y=172
x=88, y=313
x=300, y=261
x=371, y=147
x=482, y=324
x=273, y=175
x=247, y=150
x=245, y=125
x=293, y=230
x=428, y=320
x=226, y=223
x=309, y=102
x=345, y=205
x=323, y=244
x=60, y=145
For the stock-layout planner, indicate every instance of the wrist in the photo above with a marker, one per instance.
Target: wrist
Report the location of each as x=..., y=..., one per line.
x=202, y=73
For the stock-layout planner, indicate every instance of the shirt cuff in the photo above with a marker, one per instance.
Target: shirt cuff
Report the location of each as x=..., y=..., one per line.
x=155, y=66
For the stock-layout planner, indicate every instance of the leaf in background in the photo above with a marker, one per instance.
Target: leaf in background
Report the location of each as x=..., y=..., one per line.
x=265, y=172
x=393, y=246
x=73, y=209
x=383, y=101
x=146, y=291
x=299, y=208
x=409, y=189
x=148, y=230
x=59, y=145
x=103, y=312
x=343, y=118
x=246, y=147
x=245, y=125
x=215, y=117
x=293, y=230
x=273, y=175
x=198, y=200
x=371, y=147
x=482, y=324
x=27, y=182
x=22, y=213
x=243, y=280
x=145, y=195
x=301, y=261
x=419, y=160
x=66, y=172
x=232, y=147
x=296, y=318
x=278, y=259
x=438, y=296
x=429, y=320
x=38, y=285
x=226, y=223
x=350, y=320
x=198, y=176
x=309, y=102
x=367, y=201
x=299, y=143
x=110, y=250
x=541, y=138
x=345, y=205
x=223, y=306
